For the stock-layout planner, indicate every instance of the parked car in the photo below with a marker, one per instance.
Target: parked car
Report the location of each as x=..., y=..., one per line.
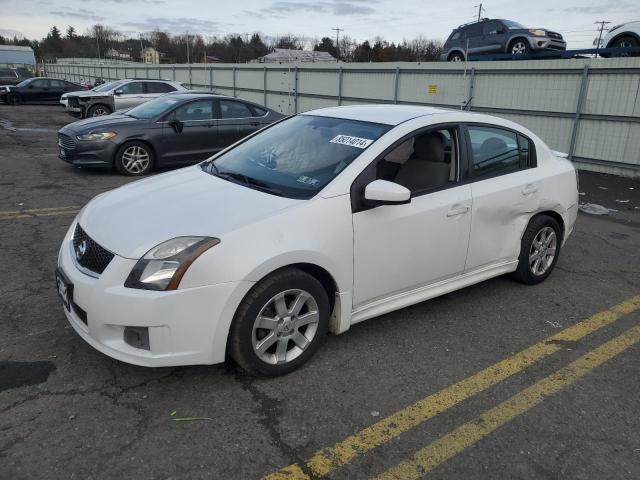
x=626, y=35
x=121, y=95
x=75, y=110
x=176, y=129
x=498, y=36
x=13, y=76
x=38, y=90
x=316, y=222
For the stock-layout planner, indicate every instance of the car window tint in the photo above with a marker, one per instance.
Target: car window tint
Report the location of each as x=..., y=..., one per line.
x=456, y=36
x=200, y=110
x=233, y=109
x=159, y=87
x=58, y=83
x=424, y=162
x=473, y=30
x=40, y=83
x=492, y=28
x=132, y=88
x=258, y=111
x=495, y=151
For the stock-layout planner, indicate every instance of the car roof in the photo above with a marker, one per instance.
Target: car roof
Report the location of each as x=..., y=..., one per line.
x=385, y=114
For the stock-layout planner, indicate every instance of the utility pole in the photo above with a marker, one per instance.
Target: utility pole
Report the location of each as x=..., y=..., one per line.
x=338, y=30
x=480, y=10
x=188, y=47
x=602, y=23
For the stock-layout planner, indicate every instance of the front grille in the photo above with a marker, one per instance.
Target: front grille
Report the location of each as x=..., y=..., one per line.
x=66, y=142
x=88, y=253
x=74, y=102
x=554, y=35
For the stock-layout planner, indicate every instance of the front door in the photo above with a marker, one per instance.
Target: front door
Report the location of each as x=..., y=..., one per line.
x=129, y=95
x=398, y=248
x=495, y=36
x=194, y=138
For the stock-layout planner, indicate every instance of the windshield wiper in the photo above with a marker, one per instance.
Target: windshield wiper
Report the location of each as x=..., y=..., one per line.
x=249, y=182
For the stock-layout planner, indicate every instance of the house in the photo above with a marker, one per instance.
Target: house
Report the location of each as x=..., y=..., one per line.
x=150, y=55
x=285, y=55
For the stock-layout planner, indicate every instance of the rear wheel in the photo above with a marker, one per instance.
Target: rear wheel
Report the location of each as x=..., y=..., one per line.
x=539, y=250
x=519, y=46
x=456, y=57
x=280, y=323
x=626, y=42
x=14, y=99
x=134, y=158
x=98, y=110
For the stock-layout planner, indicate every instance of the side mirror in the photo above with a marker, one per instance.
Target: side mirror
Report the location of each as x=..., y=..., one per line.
x=382, y=192
x=118, y=92
x=177, y=125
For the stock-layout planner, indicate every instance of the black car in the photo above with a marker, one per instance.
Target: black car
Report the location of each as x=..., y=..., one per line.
x=498, y=36
x=174, y=130
x=37, y=90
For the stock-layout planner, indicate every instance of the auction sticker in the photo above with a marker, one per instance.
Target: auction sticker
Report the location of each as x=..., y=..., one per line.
x=352, y=141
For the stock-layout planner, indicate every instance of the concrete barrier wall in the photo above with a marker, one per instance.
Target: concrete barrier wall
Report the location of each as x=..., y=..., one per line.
x=589, y=108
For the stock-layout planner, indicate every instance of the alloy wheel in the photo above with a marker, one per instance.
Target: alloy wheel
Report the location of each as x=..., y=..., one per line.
x=518, y=48
x=543, y=251
x=285, y=326
x=99, y=112
x=135, y=159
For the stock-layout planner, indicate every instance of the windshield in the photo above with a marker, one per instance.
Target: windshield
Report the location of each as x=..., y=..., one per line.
x=153, y=108
x=297, y=157
x=105, y=87
x=26, y=82
x=513, y=25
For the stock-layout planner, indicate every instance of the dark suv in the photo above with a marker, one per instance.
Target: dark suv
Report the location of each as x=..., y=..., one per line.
x=498, y=36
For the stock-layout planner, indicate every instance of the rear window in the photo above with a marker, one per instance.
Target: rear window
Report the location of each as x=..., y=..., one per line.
x=159, y=87
x=258, y=111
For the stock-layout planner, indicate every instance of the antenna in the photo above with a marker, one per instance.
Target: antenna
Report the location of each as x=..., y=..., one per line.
x=480, y=10
x=602, y=23
x=338, y=30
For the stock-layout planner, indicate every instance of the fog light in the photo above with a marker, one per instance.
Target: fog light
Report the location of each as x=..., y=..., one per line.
x=137, y=337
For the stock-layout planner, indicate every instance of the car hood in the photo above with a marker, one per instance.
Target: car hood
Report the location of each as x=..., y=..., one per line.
x=89, y=93
x=94, y=123
x=132, y=219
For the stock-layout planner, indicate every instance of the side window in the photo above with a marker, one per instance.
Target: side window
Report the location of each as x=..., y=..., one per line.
x=200, y=110
x=424, y=162
x=132, y=88
x=456, y=35
x=258, y=111
x=474, y=30
x=40, y=83
x=493, y=28
x=233, y=109
x=496, y=151
x=159, y=87
x=58, y=84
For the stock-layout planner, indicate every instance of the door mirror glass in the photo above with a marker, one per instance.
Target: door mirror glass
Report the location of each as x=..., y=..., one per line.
x=383, y=192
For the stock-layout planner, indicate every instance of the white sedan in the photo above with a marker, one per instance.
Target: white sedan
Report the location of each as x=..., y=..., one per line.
x=320, y=221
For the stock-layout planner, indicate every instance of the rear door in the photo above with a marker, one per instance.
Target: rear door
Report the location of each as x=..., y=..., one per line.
x=129, y=95
x=196, y=140
x=56, y=89
x=495, y=36
x=475, y=38
x=504, y=186
x=36, y=91
x=236, y=121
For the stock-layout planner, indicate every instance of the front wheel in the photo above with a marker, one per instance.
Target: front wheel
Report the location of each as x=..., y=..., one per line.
x=519, y=46
x=626, y=42
x=98, y=111
x=134, y=158
x=539, y=250
x=280, y=323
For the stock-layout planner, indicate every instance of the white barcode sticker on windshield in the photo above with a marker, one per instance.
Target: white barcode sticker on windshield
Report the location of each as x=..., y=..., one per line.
x=352, y=141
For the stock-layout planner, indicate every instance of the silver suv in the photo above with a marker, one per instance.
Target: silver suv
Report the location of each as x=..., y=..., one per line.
x=117, y=95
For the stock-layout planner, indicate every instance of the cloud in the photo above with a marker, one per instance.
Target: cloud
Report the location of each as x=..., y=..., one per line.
x=599, y=9
x=79, y=13
x=175, y=25
x=335, y=7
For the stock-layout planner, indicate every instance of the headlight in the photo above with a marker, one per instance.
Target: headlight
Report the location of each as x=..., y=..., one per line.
x=164, y=265
x=538, y=33
x=97, y=136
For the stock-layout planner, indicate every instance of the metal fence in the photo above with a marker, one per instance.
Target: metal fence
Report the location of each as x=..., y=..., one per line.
x=589, y=108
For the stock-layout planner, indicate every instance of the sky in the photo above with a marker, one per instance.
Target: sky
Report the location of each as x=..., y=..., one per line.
x=360, y=19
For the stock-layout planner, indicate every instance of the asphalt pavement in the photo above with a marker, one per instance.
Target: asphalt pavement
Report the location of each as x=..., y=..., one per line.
x=498, y=380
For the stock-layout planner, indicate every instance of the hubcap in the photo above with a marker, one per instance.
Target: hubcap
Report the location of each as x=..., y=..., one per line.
x=543, y=251
x=135, y=159
x=99, y=112
x=519, y=47
x=285, y=327
x=456, y=58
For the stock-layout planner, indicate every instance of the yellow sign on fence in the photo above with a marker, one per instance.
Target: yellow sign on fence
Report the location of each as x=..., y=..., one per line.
x=433, y=89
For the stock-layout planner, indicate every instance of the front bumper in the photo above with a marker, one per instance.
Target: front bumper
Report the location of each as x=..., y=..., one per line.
x=546, y=43
x=186, y=326
x=89, y=154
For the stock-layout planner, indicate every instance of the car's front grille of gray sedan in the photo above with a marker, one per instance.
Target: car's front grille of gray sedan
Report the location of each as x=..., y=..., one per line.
x=66, y=142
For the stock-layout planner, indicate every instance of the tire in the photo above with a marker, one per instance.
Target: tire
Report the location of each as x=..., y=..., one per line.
x=625, y=42
x=134, y=159
x=456, y=57
x=13, y=99
x=543, y=234
x=99, y=110
x=519, y=46
x=276, y=349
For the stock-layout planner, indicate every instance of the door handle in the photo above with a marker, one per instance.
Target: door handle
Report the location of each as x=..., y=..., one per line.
x=529, y=190
x=458, y=210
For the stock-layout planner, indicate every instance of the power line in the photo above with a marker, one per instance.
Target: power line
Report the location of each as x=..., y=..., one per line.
x=602, y=23
x=338, y=30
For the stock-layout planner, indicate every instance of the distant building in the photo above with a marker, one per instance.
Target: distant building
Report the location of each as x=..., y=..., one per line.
x=150, y=55
x=12, y=55
x=285, y=55
x=113, y=53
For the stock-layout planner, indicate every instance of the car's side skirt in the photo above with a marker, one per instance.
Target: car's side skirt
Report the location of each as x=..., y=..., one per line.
x=405, y=299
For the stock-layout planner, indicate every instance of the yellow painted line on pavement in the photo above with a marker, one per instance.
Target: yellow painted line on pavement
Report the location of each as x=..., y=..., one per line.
x=329, y=459
x=38, y=212
x=448, y=446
